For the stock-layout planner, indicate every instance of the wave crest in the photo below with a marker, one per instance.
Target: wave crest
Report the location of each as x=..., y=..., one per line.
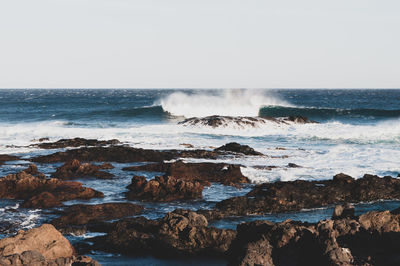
x=226, y=103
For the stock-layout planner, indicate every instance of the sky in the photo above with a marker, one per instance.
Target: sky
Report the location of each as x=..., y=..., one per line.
x=199, y=44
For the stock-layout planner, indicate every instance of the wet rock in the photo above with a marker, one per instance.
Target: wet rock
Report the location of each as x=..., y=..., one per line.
x=366, y=240
x=85, y=214
x=293, y=165
x=163, y=188
x=297, y=195
x=33, y=170
x=237, y=148
x=227, y=174
x=122, y=154
x=5, y=158
x=42, y=193
x=343, y=211
x=180, y=232
x=76, y=142
x=241, y=121
x=75, y=169
x=43, y=245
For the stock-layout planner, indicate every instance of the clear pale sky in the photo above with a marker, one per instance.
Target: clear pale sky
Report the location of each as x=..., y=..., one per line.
x=199, y=44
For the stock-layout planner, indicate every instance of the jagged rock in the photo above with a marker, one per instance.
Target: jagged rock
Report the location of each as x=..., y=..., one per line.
x=297, y=195
x=238, y=148
x=242, y=121
x=75, y=169
x=33, y=170
x=343, y=211
x=227, y=174
x=42, y=193
x=85, y=214
x=43, y=245
x=163, y=188
x=178, y=233
x=76, y=142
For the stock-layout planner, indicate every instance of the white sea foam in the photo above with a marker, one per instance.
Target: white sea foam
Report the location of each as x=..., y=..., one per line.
x=228, y=103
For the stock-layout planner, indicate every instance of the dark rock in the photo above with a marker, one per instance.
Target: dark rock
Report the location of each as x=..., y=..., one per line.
x=293, y=165
x=366, y=240
x=180, y=232
x=238, y=148
x=297, y=195
x=227, y=174
x=343, y=211
x=122, y=154
x=76, y=142
x=38, y=192
x=33, y=170
x=75, y=169
x=5, y=158
x=80, y=214
x=299, y=119
x=163, y=188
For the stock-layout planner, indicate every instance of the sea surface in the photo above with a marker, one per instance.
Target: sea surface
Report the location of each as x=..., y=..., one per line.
x=358, y=133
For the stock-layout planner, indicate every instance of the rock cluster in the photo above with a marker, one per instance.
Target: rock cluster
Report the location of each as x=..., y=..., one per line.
x=4, y=158
x=39, y=192
x=296, y=195
x=180, y=232
x=163, y=188
x=76, y=142
x=75, y=169
x=227, y=174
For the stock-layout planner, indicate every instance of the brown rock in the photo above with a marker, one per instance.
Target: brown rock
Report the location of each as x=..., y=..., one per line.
x=76, y=142
x=4, y=158
x=163, y=188
x=237, y=148
x=75, y=169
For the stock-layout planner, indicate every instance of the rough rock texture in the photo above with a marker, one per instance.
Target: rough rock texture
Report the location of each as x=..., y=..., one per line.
x=371, y=239
x=241, y=121
x=343, y=211
x=163, y=188
x=237, y=148
x=42, y=193
x=122, y=154
x=84, y=214
x=43, y=245
x=75, y=169
x=5, y=158
x=297, y=195
x=76, y=142
x=180, y=232
x=227, y=174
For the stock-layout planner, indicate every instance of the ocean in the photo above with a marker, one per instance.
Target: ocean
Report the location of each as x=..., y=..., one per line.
x=358, y=132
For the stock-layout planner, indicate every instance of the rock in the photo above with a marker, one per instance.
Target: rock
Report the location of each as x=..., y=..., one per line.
x=5, y=158
x=382, y=222
x=42, y=193
x=33, y=170
x=180, y=232
x=84, y=214
x=163, y=188
x=76, y=142
x=296, y=195
x=43, y=245
x=343, y=211
x=45, y=239
x=241, y=121
x=122, y=154
x=75, y=169
x=238, y=149
x=293, y=165
x=227, y=174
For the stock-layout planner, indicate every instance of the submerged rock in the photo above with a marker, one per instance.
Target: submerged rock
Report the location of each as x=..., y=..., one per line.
x=39, y=192
x=237, y=148
x=227, y=174
x=5, y=158
x=76, y=142
x=43, y=245
x=242, y=121
x=296, y=195
x=77, y=215
x=180, y=232
x=163, y=188
x=75, y=169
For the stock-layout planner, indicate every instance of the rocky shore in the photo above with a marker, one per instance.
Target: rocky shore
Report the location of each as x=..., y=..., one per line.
x=371, y=238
